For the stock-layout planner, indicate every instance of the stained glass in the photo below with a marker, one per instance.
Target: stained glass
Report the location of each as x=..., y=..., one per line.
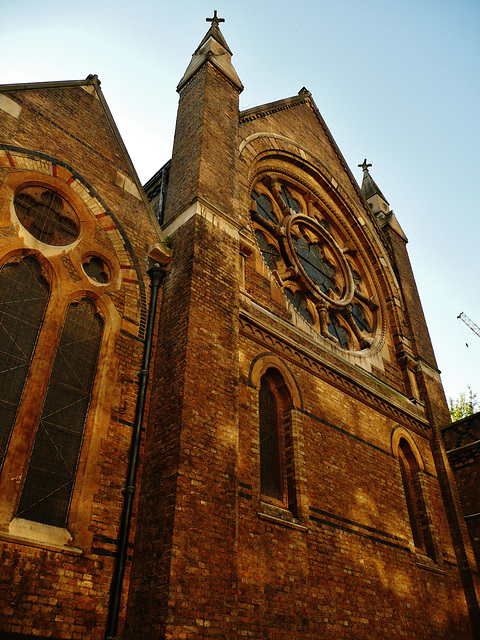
x=270, y=472
x=338, y=332
x=46, y=215
x=54, y=459
x=289, y=201
x=96, y=269
x=299, y=302
x=269, y=251
x=359, y=316
x=315, y=265
x=23, y=300
x=264, y=207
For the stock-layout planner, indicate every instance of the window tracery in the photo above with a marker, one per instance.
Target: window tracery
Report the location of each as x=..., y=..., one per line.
x=324, y=280
x=49, y=348
x=46, y=215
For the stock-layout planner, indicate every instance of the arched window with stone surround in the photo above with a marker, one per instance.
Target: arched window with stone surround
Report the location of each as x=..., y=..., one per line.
x=415, y=500
x=24, y=294
x=277, y=473
x=53, y=463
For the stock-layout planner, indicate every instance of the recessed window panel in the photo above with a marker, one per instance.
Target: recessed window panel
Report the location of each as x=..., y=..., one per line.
x=361, y=321
x=271, y=477
x=96, y=269
x=316, y=267
x=337, y=331
x=290, y=201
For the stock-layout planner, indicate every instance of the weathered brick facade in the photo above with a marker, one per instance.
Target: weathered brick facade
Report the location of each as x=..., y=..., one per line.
x=293, y=482
x=462, y=440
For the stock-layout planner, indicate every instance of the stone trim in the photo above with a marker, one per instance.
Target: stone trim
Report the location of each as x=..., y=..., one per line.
x=208, y=211
x=10, y=106
x=279, y=343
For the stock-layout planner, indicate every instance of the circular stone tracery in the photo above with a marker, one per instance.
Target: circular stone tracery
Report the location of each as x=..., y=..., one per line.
x=46, y=215
x=322, y=277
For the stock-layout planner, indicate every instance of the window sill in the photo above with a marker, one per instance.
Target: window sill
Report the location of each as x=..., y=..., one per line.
x=277, y=515
x=425, y=562
x=43, y=536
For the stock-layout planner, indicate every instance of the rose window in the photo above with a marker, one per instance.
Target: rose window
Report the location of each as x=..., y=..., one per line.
x=322, y=275
x=46, y=215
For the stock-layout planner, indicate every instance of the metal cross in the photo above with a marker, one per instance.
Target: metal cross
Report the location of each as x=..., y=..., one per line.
x=215, y=20
x=364, y=165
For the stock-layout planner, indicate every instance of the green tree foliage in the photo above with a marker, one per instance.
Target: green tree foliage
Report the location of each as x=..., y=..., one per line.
x=463, y=406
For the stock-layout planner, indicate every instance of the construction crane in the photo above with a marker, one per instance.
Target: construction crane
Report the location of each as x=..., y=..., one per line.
x=470, y=324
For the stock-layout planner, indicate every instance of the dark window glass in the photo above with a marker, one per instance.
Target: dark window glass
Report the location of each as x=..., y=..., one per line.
x=271, y=477
x=326, y=226
x=299, y=302
x=338, y=332
x=358, y=315
x=96, y=269
x=54, y=459
x=23, y=300
x=357, y=280
x=289, y=201
x=316, y=267
x=46, y=215
x=264, y=207
x=269, y=251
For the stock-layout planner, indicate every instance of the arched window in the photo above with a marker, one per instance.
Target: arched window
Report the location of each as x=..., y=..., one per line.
x=52, y=468
x=24, y=295
x=277, y=472
x=270, y=459
x=415, y=501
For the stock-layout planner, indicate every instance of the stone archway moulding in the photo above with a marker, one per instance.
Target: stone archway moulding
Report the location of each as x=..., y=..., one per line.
x=260, y=366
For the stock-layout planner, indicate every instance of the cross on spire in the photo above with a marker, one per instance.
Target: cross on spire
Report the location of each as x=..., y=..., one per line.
x=215, y=20
x=365, y=165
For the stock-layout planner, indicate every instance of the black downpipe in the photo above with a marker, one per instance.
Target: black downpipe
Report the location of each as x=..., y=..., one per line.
x=157, y=274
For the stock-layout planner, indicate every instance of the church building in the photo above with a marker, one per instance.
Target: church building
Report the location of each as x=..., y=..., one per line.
x=220, y=409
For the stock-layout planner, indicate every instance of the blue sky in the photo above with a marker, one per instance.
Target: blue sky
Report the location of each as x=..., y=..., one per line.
x=396, y=81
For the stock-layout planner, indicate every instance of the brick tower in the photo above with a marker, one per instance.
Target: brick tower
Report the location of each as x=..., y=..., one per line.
x=292, y=481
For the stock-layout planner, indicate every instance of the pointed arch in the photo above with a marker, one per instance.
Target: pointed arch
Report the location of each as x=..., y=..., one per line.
x=411, y=464
x=266, y=361
x=278, y=397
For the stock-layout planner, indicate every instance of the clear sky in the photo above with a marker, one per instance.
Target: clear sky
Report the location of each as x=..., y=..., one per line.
x=397, y=82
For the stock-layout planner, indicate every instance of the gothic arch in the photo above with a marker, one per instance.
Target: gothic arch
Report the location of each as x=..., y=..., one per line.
x=397, y=434
x=264, y=362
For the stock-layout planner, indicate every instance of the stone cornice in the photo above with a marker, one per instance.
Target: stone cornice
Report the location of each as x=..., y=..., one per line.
x=272, y=107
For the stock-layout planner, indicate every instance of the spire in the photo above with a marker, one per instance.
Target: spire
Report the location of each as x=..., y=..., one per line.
x=369, y=186
x=378, y=203
x=214, y=49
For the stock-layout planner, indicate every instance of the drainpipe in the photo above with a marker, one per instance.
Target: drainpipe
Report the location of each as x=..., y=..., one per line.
x=157, y=274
